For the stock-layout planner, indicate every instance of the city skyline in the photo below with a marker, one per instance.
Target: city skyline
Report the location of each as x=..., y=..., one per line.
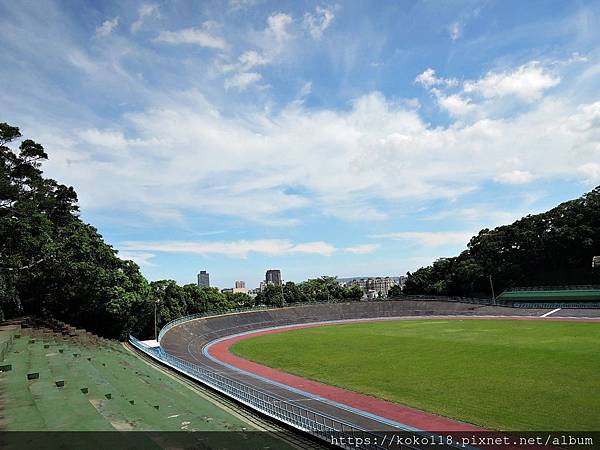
x=317, y=137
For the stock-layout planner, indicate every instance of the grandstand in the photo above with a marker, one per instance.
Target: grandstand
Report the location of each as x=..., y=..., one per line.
x=69, y=380
x=552, y=296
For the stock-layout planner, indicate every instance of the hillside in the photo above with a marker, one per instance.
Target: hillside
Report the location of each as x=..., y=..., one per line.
x=552, y=248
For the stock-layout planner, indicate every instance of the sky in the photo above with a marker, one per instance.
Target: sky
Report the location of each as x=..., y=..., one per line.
x=321, y=138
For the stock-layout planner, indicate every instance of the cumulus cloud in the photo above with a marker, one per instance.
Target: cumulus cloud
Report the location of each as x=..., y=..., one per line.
x=317, y=23
x=363, y=249
x=429, y=238
x=277, y=26
x=428, y=79
x=455, y=104
x=273, y=165
x=238, y=249
x=251, y=58
x=107, y=27
x=194, y=36
x=528, y=83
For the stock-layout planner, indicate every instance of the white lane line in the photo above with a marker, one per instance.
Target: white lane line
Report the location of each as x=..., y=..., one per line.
x=551, y=312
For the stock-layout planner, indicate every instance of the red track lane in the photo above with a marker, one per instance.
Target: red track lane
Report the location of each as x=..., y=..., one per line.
x=393, y=411
x=403, y=414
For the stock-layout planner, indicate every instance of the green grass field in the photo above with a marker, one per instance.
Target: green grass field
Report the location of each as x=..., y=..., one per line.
x=499, y=374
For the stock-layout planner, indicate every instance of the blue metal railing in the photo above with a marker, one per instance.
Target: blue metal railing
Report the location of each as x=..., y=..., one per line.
x=290, y=413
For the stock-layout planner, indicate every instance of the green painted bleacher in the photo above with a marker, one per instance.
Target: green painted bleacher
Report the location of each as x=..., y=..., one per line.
x=106, y=387
x=551, y=295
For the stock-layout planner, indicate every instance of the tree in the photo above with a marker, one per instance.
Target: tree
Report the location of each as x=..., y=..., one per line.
x=50, y=261
x=270, y=296
x=395, y=291
x=551, y=248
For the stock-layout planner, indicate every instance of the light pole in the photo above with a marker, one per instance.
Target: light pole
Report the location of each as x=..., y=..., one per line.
x=492, y=286
x=155, y=326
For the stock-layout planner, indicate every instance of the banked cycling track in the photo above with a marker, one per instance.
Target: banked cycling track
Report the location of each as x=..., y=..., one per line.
x=205, y=341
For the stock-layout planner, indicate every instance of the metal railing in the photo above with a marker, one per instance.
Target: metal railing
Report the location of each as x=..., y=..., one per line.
x=302, y=418
x=572, y=287
x=552, y=305
x=448, y=298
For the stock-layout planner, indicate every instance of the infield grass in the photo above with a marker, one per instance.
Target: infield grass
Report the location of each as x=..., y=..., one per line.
x=498, y=374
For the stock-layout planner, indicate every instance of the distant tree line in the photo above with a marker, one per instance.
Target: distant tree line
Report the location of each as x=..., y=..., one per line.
x=315, y=290
x=52, y=263
x=551, y=248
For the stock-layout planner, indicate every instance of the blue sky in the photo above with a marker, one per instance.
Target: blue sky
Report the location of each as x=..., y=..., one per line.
x=349, y=138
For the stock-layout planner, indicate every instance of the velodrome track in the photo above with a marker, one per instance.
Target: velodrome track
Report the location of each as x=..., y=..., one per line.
x=205, y=341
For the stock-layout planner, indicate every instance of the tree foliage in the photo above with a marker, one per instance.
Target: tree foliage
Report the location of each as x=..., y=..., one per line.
x=314, y=290
x=53, y=263
x=552, y=248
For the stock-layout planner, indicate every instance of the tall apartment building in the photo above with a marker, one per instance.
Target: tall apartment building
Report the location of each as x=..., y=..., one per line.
x=273, y=276
x=203, y=279
x=240, y=286
x=373, y=286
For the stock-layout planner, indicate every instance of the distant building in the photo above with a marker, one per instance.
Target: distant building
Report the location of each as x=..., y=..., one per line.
x=273, y=276
x=226, y=290
x=240, y=284
x=402, y=280
x=373, y=287
x=203, y=279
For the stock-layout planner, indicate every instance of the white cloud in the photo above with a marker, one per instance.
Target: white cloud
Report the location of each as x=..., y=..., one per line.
x=107, y=27
x=251, y=58
x=194, y=36
x=528, y=82
x=363, y=249
x=239, y=249
x=455, y=30
x=277, y=26
x=306, y=89
x=429, y=238
x=515, y=177
x=242, y=69
x=317, y=23
x=242, y=81
x=455, y=104
x=146, y=10
x=110, y=139
x=272, y=165
x=428, y=79
x=82, y=61
x=590, y=172
x=140, y=258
